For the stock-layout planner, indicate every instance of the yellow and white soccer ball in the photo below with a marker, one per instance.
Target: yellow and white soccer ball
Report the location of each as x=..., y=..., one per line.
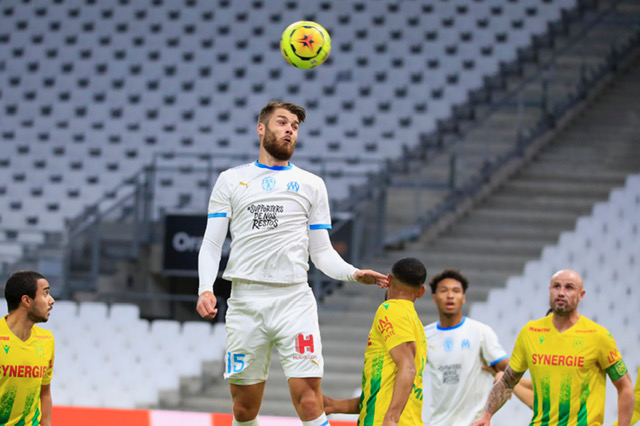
x=305, y=44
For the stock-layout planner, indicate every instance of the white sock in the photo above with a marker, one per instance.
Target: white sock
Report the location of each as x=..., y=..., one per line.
x=320, y=421
x=253, y=422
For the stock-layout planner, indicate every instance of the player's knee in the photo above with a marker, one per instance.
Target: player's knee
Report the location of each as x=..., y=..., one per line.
x=309, y=403
x=244, y=412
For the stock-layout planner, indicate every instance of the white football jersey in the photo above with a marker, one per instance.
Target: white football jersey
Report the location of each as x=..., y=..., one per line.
x=271, y=210
x=455, y=356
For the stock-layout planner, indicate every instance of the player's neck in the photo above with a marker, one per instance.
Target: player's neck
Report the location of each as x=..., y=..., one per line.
x=448, y=321
x=19, y=325
x=563, y=323
x=268, y=160
x=400, y=295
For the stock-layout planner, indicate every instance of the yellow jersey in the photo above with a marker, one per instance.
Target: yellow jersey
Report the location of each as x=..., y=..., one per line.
x=567, y=370
x=24, y=368
x=396, y=322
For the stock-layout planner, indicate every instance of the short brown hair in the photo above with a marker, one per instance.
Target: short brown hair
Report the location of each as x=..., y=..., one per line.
x=452, y=274
x=267, y=111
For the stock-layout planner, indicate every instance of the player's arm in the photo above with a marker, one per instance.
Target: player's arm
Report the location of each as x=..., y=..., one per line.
x=500, y=393
x=46, y=404
x=404, y=357
x=341, y=406
x=523, y=390
x=327, y=259
x=626, y=399
x=208, y=264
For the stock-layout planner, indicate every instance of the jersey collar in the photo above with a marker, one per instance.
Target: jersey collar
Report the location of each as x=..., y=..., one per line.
x=262, y=166
x=454, y=327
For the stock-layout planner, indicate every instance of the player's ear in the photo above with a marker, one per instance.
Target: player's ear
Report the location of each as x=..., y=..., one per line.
x=260, y=130
x=421, y=291
x=26, y=300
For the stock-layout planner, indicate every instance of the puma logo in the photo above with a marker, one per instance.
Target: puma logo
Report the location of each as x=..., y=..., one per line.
x=246, y=185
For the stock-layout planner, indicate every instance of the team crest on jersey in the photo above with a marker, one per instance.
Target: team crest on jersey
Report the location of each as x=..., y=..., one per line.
x=39, y=349
x=268, y=184
x=448, y=344
x=578, y=343
x=293, y=186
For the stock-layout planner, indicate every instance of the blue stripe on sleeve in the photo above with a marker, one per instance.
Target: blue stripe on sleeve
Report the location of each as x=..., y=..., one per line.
x=498, y=360
x=320, y=226
x=210, y=215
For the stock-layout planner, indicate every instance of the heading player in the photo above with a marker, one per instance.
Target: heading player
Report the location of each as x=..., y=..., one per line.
x=568, y=356
x=27, y=352
x=278, y=216
x=395, y=356
x=459, y=349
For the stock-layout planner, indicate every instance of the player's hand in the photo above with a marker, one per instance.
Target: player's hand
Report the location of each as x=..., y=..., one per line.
x=367, y=276
x=388, y=422
x=491, y=370
x=497, y=377
x=328, y=404
x=485, y=420
x=206, y=306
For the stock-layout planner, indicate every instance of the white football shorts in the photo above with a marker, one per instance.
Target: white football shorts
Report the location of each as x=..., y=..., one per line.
x=260, y=316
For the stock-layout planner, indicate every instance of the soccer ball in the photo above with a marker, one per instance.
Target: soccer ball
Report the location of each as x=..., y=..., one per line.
x=305, y=44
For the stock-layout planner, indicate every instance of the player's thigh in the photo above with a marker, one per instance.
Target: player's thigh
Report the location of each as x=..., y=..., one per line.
x=248, y=348
x=297, y=337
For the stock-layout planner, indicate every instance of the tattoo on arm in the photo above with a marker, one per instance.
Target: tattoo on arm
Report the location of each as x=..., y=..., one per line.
x=502, y=390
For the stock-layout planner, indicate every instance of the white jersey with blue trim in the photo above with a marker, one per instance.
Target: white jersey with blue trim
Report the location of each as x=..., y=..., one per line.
x=459, y=386
x=271, y=210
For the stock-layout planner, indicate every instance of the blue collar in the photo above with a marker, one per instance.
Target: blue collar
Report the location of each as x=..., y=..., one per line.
x=454, y=327
x=262, y=166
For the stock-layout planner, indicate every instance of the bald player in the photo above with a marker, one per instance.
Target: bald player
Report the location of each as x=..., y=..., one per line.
x=569, y=357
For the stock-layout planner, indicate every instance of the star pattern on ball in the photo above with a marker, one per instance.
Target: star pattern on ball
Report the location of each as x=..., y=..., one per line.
x=306, y=41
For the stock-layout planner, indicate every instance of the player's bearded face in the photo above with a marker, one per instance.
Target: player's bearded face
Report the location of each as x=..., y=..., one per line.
x=279, y=147
x=41, y=304
x=564, y=298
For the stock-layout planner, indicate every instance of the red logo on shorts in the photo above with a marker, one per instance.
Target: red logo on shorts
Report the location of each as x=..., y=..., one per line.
x=303, y=343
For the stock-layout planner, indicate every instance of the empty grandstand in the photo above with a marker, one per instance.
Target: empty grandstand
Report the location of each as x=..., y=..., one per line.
x=485, y=135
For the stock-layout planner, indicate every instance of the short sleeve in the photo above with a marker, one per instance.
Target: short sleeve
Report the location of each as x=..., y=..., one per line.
x=394, y=325
x=320, y=215
x=610, y=358
x=492, y=350
x=220, y=200
x=518, y=361
x=48, y=375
